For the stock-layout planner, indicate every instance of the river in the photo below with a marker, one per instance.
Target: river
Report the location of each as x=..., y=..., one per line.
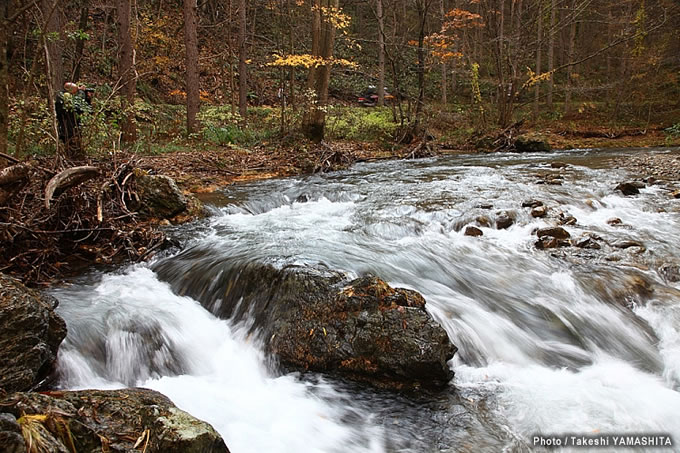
x=557, y=341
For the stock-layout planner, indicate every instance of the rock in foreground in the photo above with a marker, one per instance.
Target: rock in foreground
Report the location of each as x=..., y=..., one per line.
x=318, y=320
x=30, y=334
x=113, y=420
x=368, y=331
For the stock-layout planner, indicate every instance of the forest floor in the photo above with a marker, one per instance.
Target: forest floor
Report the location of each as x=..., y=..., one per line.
x=210, y=168
x=44, y=245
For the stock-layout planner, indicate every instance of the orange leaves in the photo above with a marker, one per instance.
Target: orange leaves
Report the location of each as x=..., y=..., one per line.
x=461, y=18
x=457, y=21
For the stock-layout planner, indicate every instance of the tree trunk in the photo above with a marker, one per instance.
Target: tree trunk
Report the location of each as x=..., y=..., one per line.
x=52, y=15
x=80, y=43
x=381, y=53
x=570, y=68
x=539, y=46
x=242, y=69
x=4, y=76
x=442, y=11
x=191, y=46
x=551, y=53
x=323, y=38
x=423, y=6
x=126, y=71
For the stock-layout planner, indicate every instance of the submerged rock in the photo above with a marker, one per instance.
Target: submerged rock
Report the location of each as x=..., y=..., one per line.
x=319, y=320
x=30, y=334
x=111, y=420
x=670, y=272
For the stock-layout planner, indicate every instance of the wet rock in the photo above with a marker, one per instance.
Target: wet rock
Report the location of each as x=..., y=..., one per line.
x=627, y=243
x=675, y=194
x=670, y=273
x=112, y=420
x=473, y=231
x=566, y=219
x=548, y=242
x=367, y=331
x=539, y=211
x=532, y=203
x=504, y=220
x=11, y=440
x=629, y=188
x=554, y=232
x=528, y=144
x=159, y=196
x=30, y=334
x=303, y=198
x=586, y=242
x=614, y=221
x=483, y=221
x=558, y=165
x=316, y=319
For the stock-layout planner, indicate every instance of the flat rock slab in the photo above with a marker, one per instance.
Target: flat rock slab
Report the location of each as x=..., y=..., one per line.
x=111, y=420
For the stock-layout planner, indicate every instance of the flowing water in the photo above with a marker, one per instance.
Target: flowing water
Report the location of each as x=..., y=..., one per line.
x=550, y=341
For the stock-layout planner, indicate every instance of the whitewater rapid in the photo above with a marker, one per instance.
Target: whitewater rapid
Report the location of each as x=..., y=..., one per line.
x=548, y=343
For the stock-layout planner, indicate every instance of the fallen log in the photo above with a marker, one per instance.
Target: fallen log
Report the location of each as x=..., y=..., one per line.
x=13, y=174
x=12, y=179
x=67, y=179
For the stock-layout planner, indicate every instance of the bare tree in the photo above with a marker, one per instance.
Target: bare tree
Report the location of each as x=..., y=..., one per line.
x=323, y=38
x=54, y=49
x=551, y=52
x=126, y=70
x=242, y=68
x=381, y=52
x=191, y=46
x=539, y=55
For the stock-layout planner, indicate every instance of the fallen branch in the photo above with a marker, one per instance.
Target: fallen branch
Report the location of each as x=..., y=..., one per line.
x=67, y=179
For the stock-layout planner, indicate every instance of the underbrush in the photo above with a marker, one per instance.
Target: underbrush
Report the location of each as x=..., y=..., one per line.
x=361, y=124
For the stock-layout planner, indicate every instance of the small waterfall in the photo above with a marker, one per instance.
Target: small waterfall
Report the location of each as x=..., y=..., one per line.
x=568, y=340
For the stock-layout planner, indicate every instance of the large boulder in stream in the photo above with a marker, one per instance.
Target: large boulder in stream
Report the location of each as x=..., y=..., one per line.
x=30, y=334
x=531, y=144
x=105, y=420
x=159, y=196
x=368, y=331
x=321, y=321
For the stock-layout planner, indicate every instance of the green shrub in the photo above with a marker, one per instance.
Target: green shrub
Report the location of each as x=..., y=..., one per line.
x=359, y=123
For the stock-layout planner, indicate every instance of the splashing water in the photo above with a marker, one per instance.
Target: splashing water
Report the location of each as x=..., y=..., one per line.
x=565, y=341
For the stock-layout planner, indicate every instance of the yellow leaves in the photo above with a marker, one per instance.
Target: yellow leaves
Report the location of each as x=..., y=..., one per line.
x=333, y=15
x=534, y=78
x=308, y=61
